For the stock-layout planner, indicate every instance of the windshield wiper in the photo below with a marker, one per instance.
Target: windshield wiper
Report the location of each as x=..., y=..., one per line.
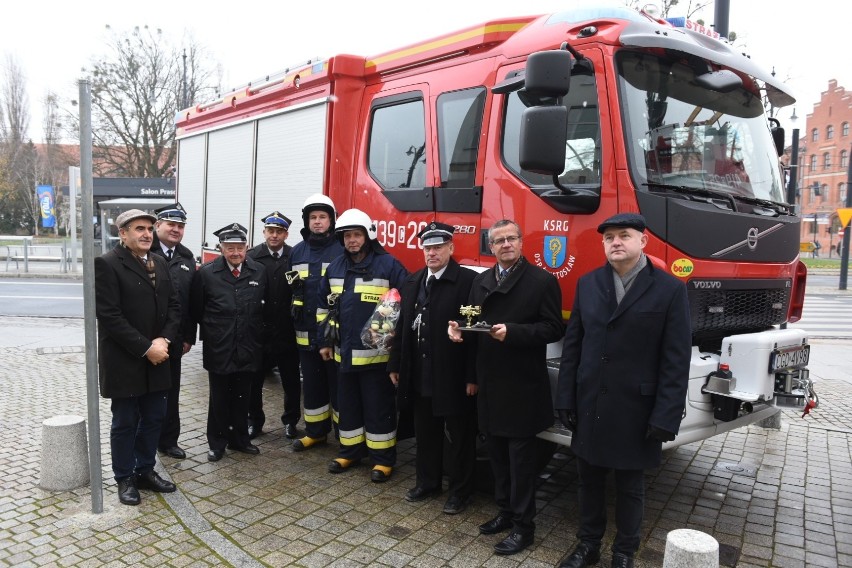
x=779, y=208
x=693, y=191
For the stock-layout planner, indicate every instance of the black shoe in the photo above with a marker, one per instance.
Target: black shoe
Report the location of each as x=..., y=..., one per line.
x=513, y=543
x=456, y=505
x=620, y=560
x=254, y=431
x=584, y=555
x=496, y=525
x=174, y=452
x=128, y=494
x=420, y=493
x=247, y=449
x=215, y=455
x=290, y=431
x=152, y=480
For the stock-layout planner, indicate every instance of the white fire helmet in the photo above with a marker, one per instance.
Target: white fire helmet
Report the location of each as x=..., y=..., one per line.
x=355, y=218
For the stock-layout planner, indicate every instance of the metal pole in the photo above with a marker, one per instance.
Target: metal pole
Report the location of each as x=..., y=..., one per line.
x=92, y=393
x=792, y=187
x=73, y=185
x=720, y=17
x=183, y=98
x=816, y=250
x=844, y=254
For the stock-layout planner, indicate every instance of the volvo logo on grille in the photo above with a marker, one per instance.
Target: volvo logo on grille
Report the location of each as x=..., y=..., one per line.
x=754, y=234
x=751, y=238
x=699, y=284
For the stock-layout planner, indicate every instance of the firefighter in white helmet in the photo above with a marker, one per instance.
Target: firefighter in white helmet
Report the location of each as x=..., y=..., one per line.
x=308, y=262
x=352, y=287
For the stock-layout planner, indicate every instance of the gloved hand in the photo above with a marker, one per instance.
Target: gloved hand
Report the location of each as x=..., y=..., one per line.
x=659, y=434
x=568, y=418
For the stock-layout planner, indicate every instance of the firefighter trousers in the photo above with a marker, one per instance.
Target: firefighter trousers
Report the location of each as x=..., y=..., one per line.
x=367, y=405
x=319, y=385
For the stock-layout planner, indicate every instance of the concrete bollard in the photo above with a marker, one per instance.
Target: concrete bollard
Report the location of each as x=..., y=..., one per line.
x=64, y=453
x=687, y=548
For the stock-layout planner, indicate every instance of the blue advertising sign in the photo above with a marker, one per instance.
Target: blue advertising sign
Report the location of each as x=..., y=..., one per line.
x=47, y=204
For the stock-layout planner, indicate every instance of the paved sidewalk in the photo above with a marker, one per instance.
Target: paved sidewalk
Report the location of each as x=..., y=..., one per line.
x=771, y=498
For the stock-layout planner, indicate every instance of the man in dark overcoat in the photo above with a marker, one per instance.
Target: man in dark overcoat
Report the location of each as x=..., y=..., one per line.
x=168, y=234
x=523, y=305
x=622, y=383
x=138, y=317
x=434, y=376
x=279, y=334
x=227, y=302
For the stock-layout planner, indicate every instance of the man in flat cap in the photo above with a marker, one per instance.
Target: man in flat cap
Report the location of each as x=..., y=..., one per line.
x=622, y=383
x=279, y=335
x=434, y=376
x=138, y=316
x=168, y=234
x=227, y=301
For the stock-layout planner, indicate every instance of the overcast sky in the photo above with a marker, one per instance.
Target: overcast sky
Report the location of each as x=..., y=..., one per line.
x=51, y=41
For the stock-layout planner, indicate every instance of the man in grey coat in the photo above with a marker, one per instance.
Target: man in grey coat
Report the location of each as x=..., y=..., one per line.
x=622, y=383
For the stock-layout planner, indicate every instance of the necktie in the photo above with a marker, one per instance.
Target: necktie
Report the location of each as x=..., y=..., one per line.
x=429, y=282
x=275, y=255
x=503, y=274
x=236, y=273
x=169, y=254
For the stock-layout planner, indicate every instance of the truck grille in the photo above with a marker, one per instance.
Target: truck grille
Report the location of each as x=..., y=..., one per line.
x=737, y=305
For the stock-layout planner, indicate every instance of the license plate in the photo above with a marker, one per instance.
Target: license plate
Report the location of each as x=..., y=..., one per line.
x=789, y=358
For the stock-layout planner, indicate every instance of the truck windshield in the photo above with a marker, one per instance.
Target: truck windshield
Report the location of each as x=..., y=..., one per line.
x=685, y=136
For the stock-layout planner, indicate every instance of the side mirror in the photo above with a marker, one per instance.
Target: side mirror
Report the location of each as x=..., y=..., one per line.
x=548, y=73
x=777, y=135
x=542, y=139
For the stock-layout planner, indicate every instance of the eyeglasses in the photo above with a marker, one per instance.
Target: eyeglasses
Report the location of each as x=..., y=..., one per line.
x=511, y=240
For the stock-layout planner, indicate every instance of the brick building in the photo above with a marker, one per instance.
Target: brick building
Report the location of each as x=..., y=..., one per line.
x=825, y=144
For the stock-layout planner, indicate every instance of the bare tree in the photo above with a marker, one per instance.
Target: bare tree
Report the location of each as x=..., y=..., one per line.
x=137, y=89
x=17, y=156
x=54, y=159
x=14, y=103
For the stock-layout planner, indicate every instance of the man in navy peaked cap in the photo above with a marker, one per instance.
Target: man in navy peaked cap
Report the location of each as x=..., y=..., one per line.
x=168, y=237
x=279, y=334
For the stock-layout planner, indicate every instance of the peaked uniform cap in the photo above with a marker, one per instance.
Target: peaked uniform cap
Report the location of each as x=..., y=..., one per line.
x=277, y=219
x=626, y=220
x=131, y=214
x=234, y=233
x=435, y=234
x=175, y=213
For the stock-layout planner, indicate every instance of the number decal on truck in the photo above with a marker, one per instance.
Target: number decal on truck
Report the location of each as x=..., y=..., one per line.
x=389, y=234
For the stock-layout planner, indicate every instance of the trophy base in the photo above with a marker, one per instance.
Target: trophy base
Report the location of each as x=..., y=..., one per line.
x=481, y=328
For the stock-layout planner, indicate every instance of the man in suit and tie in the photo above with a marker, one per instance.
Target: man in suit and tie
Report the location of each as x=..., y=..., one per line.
x=522, y=303
x=138, y=316
x=622, y=384
x=168, y=234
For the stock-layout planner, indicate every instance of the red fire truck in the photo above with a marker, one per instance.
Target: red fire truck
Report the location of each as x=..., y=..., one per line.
x=557, y=122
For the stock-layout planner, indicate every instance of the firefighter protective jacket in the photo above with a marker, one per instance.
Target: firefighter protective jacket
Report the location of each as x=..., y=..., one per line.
x=310, y=259
x=359, y=288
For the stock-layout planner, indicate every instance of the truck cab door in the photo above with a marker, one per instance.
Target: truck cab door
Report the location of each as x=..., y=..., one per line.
x=422, y=153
